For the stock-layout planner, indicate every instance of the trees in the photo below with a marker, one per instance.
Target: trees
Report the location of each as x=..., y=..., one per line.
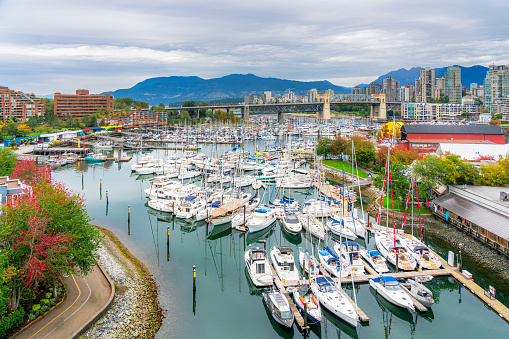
x=338, y=145
x=324, y=147
x=7, y=161
x=364, y=150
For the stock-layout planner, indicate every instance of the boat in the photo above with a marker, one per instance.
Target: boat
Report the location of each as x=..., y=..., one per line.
x=391, y=251
x=389, y=288
x=284, y=263
x=190, y=207
x=308, y=262
x=225, y=213
x=419, y=292
x=375, y=260
x=332, y=298
x=291, y=223
x=332, y=264
x=279, y=307
x=312, y=225
x=348, y=252
x=262, y=218
x=304, y=295
x=338, y=228
x=258, y=267
x=421, y=253
x=240, y=220
x=95, y=157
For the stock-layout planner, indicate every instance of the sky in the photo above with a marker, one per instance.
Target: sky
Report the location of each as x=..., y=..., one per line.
x=60, y=46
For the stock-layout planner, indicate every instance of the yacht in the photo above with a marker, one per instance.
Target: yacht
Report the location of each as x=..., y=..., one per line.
x=308, y=262
x=332, y=264
x=312, y=225
x=389, y=288
x=262, y=218
x=375, y=260
x=258, y=267
x=390, y=249
x=348, y=252
x=284, y=263
x=190, y=207
x=291, y=223
x=279, y=307
x=304, y=295
x=421, y=253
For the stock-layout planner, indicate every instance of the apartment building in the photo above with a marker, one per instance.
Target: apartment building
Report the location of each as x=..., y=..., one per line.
x=82, y=103
x=19, y=105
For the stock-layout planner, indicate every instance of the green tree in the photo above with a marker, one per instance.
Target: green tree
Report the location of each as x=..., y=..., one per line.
x=364, y=150
x=339, y=146
x=7, y=161
x=324, y=147
x=184, y=115
x=188, y=103
x=202, y=113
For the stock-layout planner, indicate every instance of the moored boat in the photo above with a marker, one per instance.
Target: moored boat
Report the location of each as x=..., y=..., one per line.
x=389, y=288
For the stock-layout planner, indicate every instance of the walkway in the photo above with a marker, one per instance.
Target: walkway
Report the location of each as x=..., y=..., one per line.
x=85, y=297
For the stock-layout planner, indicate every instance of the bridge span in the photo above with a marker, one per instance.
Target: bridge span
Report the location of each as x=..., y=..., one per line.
x=322, y=108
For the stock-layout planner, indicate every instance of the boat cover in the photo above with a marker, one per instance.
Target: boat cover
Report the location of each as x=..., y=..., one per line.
x=262, y=210
x=372, y=253
x=190, y=198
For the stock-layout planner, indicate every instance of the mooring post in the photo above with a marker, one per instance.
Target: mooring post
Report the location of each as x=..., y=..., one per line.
x=129, y=220
x=194, y=278
x=168, y=243
x=107, y=198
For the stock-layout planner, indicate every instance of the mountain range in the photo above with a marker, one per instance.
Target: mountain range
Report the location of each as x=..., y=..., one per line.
x=179, y=88
x=176, y=89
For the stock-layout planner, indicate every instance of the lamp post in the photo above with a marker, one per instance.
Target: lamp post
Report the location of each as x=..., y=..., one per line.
x=460, y=261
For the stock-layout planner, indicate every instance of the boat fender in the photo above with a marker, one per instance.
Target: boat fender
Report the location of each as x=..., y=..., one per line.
x=314, y=300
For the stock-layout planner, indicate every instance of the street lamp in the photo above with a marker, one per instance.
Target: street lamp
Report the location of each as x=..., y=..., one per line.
x=460, y=261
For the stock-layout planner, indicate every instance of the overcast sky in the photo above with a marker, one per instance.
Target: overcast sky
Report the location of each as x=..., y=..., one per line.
x=59, y=46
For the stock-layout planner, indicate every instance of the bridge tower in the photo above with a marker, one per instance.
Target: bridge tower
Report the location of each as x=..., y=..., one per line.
x=244, y=113
x=379, y=111
x=325, y=113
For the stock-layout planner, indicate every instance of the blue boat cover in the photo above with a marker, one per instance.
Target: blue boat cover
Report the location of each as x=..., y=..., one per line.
x=330, y=252
x=216, y=204
x=373, y=253
x=190, y=198
x=350, y=243
x=262, y=210
x=387, y=279
x=321, y=280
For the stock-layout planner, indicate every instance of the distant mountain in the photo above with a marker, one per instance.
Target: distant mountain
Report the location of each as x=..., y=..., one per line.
x=179, y=88
x=468, y=75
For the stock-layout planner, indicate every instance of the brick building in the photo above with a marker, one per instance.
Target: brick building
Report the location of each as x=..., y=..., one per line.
x=82, y=103
x=139, y=118
x=19, y=105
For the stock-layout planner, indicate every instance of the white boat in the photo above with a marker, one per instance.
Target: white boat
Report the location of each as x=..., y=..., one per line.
x=279, y=307
x=338, y=228
x=304, y=295
x=244, y=181
x=295, y=181
x=319, y=208
x=375, y=260
x=421, y=253
x=332, y=298
x=312, y=225
x=190, y=207
x=308, y=262
x=356, y=225
x=419, y=292
x=348, y=252
x=225, y=213
x=332, y=264
x=240, y=220
x=262, y=218
x=390, y=251
x=291, y=223
x=95, y=157
x=258, y=267
x=389, y=288
x=283, y=262
x=185, y=175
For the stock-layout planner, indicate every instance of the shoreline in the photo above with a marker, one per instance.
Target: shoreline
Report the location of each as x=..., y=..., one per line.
x=135, y=311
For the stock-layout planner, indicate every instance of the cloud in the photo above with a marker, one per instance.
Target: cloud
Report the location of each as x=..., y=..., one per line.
x=59, y=45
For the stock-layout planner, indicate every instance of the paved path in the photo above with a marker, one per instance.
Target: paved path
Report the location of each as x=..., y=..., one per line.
x=86, y=295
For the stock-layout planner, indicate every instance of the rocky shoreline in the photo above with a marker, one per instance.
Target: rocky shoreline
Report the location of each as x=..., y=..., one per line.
x=135, y=312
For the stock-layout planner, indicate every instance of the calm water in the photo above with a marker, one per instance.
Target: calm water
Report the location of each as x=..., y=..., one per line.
x=227, y=305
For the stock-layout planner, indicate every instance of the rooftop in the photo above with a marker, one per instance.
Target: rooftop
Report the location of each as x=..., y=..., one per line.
x=452, y=129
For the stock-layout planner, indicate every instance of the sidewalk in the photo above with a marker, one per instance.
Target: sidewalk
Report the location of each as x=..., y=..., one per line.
x=86, y=296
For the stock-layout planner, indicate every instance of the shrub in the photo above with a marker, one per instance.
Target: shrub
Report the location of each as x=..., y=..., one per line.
x=36, y=307
x=44, y=302
x=32, y=316
x=11, y=320
x=48, y=295
x=52, y=301
x=44, y=308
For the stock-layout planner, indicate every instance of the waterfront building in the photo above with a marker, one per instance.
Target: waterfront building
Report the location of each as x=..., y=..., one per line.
x=426, y=84
x=425, y=111
x=453, y=84
x=138, y=118
x=481, y=211
x=82, y=103
x=496, y=86
x=19, y=105
x=312, y=95
x=439, y=88
x=426, y=138
x=10, y=188
x=390, y=88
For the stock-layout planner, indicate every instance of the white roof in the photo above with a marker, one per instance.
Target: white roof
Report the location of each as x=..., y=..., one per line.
x=472, y=152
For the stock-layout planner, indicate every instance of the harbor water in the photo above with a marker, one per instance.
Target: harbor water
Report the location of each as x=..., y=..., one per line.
x=226, y=303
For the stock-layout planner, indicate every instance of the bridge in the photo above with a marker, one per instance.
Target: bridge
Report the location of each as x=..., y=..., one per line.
x=321, y=108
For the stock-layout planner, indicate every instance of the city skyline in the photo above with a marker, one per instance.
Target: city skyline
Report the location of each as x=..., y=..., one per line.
x=57, y=46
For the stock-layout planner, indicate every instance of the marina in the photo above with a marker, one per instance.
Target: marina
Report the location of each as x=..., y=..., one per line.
x=218, y=250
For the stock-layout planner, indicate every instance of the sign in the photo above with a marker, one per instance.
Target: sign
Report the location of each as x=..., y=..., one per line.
x=450, y=258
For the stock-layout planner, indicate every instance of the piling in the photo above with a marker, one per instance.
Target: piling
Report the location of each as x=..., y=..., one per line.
x=168, y=244
x=129, y=220
x=194, y=278
x=107, y=198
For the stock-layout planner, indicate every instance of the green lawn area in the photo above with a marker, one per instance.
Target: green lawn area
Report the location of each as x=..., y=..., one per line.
x=401, y=207
x=348, y=168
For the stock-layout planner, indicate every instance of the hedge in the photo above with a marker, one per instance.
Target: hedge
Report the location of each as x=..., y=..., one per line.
x=11, y=320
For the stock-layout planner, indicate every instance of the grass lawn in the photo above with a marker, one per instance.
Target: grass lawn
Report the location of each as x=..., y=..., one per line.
x=348, y=168
x=401, y=207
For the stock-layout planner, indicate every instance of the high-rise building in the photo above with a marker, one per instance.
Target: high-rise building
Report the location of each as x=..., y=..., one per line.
x=439, y=88
x=473, y=87
x=357, y=90
x=390, y=88
x=403, y=94
x=373, y=88
x=453, y=84
x=427, y=85
x=496, y=87
x=266, y=97
x=330, y=92
x=19, y=105
x=82, y=103
x=312, y=95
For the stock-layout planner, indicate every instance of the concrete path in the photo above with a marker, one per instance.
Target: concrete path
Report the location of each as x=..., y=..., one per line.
x=86, y=295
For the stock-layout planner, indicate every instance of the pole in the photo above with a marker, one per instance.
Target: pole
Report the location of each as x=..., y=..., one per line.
x=305, y=315
x=460, y=261
x=168, y=243
x=194, y=278
x=129, y=220
x=107, y=198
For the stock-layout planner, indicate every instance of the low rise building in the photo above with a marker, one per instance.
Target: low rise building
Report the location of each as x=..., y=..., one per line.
x=424, y=111
x=138, y=118
x=19, y=105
